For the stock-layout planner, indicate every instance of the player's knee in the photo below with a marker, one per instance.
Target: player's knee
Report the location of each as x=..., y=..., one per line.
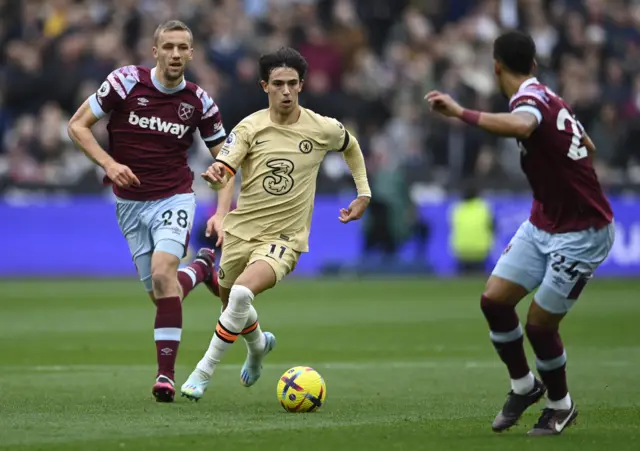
x=240, y=300
x=538, y=317
x=163, y=279
x=258, y=277
x=240, y=296
x=502, y=291
x=164, y=273
x=534, y=330
x=487, y=304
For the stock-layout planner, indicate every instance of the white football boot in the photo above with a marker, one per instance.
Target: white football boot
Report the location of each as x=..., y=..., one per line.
x=196, y=385
x=252, y=368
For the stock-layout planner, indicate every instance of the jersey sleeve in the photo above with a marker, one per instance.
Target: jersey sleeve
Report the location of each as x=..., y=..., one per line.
x=235, y=147
x=211, y=127
x=530, y=101
x=338, y=136
x=113, y=91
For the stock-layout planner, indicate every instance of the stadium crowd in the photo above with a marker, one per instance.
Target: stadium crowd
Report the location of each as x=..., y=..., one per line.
x=371, y=62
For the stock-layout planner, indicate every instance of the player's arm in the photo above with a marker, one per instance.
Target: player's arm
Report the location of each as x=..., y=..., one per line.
x=520, y=123
x=342, y=141
x=225, y=194
x=210, y=126
x=225, y=197
x=79, y=130
x=229, y=158
x=588, y=143
x=354, y=158
x=591, y=147
x=215, y=137
x=215, y=149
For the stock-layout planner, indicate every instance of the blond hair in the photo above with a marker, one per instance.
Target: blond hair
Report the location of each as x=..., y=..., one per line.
x=172, y=25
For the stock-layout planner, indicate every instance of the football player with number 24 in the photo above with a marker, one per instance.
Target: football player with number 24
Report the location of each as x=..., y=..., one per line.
x=568, y=235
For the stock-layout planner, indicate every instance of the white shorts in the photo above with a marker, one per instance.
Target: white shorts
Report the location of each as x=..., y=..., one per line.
x=156, y=225
x=560, y=264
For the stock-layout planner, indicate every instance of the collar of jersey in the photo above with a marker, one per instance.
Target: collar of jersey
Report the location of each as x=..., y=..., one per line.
x=527, y=82
x=161, y=88
x=302, y=111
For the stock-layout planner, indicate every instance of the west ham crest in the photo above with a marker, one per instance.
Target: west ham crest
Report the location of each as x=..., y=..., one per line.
x=185, y=111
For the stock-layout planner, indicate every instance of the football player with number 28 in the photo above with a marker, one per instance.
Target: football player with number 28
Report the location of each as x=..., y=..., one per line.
x=153, y=116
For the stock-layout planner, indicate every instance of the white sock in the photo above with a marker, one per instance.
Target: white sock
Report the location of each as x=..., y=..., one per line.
x=561, y=404
x=255, y=338
x=231, y=323
x=523, y=385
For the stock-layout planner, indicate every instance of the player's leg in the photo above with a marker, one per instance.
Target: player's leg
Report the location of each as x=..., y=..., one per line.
x=168, y=321
x=234, y=262
x=257, y=277
x=551, y=359
x=143, y=266
x=282, y=261
x=173, y=221
x=519, y=270
x=152, y=271
x=573, y=257
x=201, y=270
x=236, y=253
x=132, y=219
x=170, y=225
x=168, y=297
x=258, y=343
x=240, y=317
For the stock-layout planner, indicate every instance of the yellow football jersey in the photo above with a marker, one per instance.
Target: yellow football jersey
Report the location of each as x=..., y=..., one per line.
x=279, y=165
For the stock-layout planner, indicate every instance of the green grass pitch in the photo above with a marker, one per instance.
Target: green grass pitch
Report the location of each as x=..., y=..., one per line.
x=408, y=366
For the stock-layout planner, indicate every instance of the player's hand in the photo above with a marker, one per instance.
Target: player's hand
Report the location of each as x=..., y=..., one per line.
x=121, y=175
x=214, y=224
x=215, y=175
x=443, y=104
x=355, y=211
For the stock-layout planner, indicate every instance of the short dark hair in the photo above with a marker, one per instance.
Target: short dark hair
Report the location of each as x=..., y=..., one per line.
x=516, y=50
x=283, y=57
x=171, y=25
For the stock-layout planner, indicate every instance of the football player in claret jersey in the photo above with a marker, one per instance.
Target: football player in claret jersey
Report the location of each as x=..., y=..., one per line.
x=153, y=114
x=567, y=236
x=280, y=150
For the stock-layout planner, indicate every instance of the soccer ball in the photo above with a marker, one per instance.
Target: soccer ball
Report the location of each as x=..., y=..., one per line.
x=301, y=389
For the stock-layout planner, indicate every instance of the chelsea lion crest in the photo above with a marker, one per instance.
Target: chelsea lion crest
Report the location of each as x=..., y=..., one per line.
x=305, y=146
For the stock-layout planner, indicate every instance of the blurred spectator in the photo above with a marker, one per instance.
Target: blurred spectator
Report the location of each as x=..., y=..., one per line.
x=472, y=232
x=392, y=218
x=608, y=134
x=371, y=61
